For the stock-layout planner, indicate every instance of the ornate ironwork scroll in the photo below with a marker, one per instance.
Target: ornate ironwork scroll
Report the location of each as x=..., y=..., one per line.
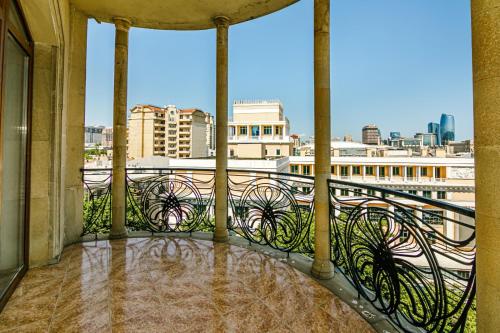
x=97, y=201
x=272, y=209
x=170, y=200
x=412, y=258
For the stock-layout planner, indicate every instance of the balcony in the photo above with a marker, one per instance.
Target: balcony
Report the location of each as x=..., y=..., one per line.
x=184, y=284
x=407, y=261
x=244, y=138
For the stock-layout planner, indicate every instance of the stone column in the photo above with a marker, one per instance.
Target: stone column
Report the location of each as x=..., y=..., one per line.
x=486, y=85
x=72, y=128
x=322, y=266
x=221, y=234
x=120, y=129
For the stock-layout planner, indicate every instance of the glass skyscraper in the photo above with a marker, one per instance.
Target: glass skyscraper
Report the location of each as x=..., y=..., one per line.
x=434, y=129
x=447, y=128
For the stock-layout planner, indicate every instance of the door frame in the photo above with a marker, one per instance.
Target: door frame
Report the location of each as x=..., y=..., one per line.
x=26, y=43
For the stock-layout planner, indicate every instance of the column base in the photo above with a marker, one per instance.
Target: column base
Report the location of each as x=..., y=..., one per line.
x=118, y=235
x=221, y=237
x=322, y=269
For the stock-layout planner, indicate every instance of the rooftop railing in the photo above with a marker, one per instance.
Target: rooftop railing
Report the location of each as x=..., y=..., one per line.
x=412, y=258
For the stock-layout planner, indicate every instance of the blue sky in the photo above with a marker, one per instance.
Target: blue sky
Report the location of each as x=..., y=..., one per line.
x=398, y=64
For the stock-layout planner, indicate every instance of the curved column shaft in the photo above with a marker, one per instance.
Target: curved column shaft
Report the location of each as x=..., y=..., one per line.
x=322, y=266
x=486, y=80
x=221, y=197
x=120, y=129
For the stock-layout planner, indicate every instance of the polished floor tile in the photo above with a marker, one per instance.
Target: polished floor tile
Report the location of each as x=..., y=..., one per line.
x=173, y=285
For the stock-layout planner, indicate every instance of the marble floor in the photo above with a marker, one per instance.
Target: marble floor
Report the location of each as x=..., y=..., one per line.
x=173, y=285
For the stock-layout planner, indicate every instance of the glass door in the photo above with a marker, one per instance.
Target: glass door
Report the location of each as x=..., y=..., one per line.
x=14, y=132
x=16, y=51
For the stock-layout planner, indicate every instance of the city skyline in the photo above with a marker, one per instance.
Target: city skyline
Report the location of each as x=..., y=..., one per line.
x=396, y=78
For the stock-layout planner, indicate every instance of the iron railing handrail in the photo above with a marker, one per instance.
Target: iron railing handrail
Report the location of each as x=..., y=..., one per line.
x=433, y=202
x=272, y=173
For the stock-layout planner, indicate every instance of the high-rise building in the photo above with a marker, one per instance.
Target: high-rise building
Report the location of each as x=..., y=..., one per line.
x=93, y=135
x=395, y=135
x=210, y=121
x=447, y=128
x=371, y=135
x=259, y=129
x=107, y=137
x=434, y=128
x=168, y=131
x=428, y=139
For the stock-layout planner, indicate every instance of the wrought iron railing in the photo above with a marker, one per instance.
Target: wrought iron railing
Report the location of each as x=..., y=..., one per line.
x=274, y=209
x=411, y=257
x=97, y=201
x=158, y=200
x=170, y=200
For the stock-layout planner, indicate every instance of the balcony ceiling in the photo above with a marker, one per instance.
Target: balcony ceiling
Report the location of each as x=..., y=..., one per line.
x=179, y=14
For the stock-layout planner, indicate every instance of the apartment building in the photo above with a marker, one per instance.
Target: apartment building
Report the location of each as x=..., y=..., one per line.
x=259, y=129
x=210, y=121
x=191, y=134
x=168, y=131
x=93, y=135
x=436, y=178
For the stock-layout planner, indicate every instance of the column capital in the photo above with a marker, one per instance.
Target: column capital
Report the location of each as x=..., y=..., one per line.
x=221, y=21
x=122, y=23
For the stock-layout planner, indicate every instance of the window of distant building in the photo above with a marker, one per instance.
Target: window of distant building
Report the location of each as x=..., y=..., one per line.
x=265, y=152
x=370, y=192
x=369, y=170
x=278, y=130
x=433, y=216
x=294, y=168
x=344, y=171
x=423, y=172
x=414, y=192
x=395, y=171
x=409, y=171
x=332, y=169
x=427, y=194
x=357, y=192
x=243, y=130
x=356, y=170
x=306, y=190
x=344, y=192
x=231, y=152
x=441, y=195
x=404, y=235
x=278, y=152
x=268, y=130
x=306, y=170
x=381, y=171
x=255, y=130
x=437, y=173
x=431, y=236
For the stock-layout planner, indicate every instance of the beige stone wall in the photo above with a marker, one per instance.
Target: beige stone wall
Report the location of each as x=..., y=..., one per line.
x=461, y=196
x=285, y=149
x=199, y=146
x=249, y=150
x=73, y=125
x=59, y=33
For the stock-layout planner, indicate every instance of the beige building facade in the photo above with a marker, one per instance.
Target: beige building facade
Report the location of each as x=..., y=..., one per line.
x=169, y=131
x=259, y=129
